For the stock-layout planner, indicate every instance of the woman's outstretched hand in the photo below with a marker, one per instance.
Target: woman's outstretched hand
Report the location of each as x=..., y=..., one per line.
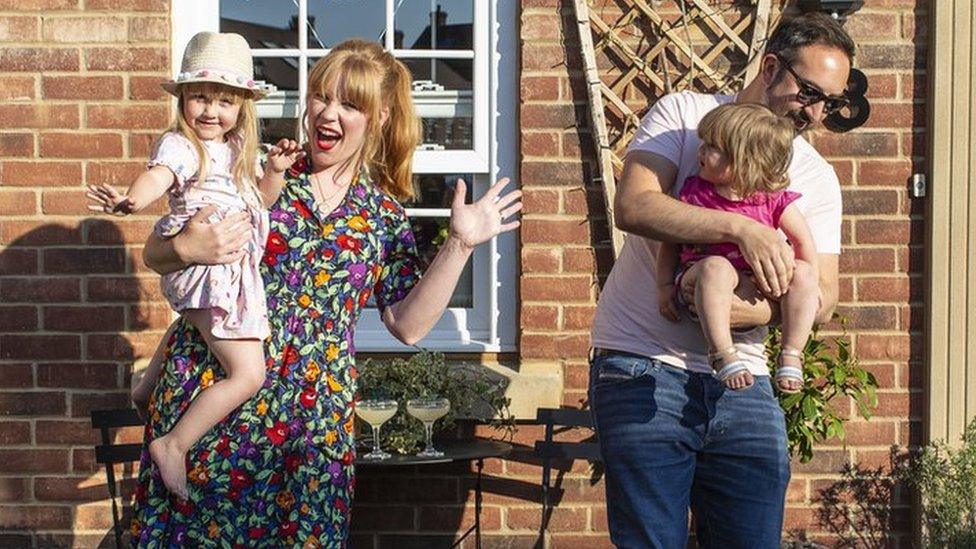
x=476, y=223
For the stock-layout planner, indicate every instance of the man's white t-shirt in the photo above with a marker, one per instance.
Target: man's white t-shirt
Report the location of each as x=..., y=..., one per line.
x=627, y=317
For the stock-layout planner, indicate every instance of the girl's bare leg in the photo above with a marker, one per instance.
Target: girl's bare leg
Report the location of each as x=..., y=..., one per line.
x=243, y=362
x=798, y=309
x=715, y=280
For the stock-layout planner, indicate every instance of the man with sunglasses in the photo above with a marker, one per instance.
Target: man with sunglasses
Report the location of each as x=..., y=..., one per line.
x=671, y=435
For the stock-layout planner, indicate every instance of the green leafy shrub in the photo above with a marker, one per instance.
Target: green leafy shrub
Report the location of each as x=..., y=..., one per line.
x=828, y=373
x=472, y=392
x=945, y=479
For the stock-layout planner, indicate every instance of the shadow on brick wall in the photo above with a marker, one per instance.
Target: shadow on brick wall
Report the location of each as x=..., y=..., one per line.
x=71, y=306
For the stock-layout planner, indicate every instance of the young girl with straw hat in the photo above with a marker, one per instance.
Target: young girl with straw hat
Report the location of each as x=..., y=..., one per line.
x=209, y=158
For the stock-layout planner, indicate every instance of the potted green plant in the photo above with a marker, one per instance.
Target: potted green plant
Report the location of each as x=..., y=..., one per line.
x=472, y=391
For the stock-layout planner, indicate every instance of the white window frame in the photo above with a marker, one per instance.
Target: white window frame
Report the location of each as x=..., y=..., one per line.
x=490, y=324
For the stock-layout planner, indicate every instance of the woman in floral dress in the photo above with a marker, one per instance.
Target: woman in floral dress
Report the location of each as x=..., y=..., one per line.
x=279, y=471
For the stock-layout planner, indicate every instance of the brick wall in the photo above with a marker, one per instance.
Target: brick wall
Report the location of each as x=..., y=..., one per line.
x=564, y=241
x=79, y=103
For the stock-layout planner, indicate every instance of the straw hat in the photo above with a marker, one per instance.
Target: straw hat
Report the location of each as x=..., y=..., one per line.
x=222, y=58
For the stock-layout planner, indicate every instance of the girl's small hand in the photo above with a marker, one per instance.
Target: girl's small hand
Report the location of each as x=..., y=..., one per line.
x=108, y=200
x=283, y=154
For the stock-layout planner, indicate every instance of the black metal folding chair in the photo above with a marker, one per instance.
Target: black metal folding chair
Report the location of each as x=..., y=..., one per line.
x=548, y=449
x=109, y=454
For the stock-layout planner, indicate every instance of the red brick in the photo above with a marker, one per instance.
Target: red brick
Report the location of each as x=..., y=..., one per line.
x=884, y=347
x=433, y=518
x=84, y=29
x=78, y=433
x=882, y=86
x=87, y=145
x=16, y=88
x=867, y=260
x=44, y=347
x=551, y=288
x=84, y=319
x=126, y=59
x=148, y=29
x=18, y=262
x=16, y=144
x=886, y=231
x=36, y=6
x=824, y=461
x=545, y=57
x=85, y=375
x=540, y=88
x=896, y=115
x=549, y=115
x=540, y=201
x=893, y=173
x=120, y=174
x=18, y=29
x=16, y=376
x=105, y=232
x=540, y=27
x=578, y=317
x=870, y=202
x=18, y=318
x=540, y=260
x=554, y=346
x=123, y=289
x=121, y=346
x=84, y=261
x=14, y=202
x=886, y=289
x=873, y=27
x=578, y=260
x=577, y=202
x=544, y=144
x=548, y=231
x=128, y=117
x=82, y=404
x=563, y=519
x=39, y=290
x=79, y=488
x=14, y=490
x=41, y=173
x=576, y=376
x=38, y=116
x=82, y=87
x=146, y=87
x=35, y=517
x=540, y=317
x=14, y=432
x=856, y=144
x=151, y=316
x=564, y=173
x=890, y=57
x=875, y=432
x=871, y=317
x=37, y=233
x=38, y=59
x=128, y=5
x=59, y=202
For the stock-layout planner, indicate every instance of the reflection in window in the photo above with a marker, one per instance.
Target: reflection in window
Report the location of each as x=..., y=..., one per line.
x=275, y=129
x=436, y=190
x=432, y=24
x=430, y=233
x=332, y=21
x=263, y=24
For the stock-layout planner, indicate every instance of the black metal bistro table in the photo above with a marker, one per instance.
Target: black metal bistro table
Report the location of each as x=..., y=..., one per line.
x=472, y=449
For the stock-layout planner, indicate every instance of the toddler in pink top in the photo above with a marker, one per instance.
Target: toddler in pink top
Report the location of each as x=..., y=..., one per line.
x=744, y=155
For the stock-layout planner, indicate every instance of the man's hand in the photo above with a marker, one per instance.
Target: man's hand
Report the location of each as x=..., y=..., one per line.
x=770, y=257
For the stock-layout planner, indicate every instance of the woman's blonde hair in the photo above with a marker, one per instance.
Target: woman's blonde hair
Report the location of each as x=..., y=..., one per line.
x=243, y=137
x=758, y=143
x=373, y=80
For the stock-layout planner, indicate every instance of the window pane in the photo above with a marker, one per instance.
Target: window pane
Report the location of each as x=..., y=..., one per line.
x=430, y=233
x=332, y=21
x=429, y=24
x=436, y=190
x=263, y=24
x=282, y=72
x=442, y=92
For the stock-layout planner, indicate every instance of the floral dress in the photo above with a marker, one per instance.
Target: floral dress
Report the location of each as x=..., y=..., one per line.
x=278, y=472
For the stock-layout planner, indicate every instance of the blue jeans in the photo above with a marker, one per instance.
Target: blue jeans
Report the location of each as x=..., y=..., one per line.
x=673, y=439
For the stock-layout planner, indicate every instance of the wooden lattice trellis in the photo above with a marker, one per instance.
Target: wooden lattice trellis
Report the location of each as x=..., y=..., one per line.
x=635, y=51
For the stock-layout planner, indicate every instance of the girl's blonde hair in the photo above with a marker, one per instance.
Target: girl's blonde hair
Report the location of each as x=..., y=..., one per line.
x=373, y=80
x=242, y=138
x=758, y=143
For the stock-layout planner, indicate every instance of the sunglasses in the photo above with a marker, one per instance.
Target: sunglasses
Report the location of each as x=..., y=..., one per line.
x=810, y=94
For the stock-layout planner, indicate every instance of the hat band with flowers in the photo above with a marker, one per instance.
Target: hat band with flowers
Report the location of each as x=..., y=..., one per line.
x=220, y=58
x=259, y=89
